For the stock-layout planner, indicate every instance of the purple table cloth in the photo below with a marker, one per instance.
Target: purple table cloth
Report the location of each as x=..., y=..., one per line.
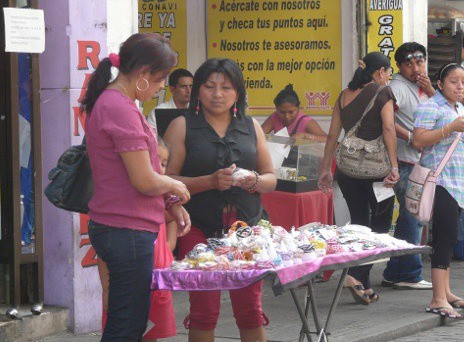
x=285, y=276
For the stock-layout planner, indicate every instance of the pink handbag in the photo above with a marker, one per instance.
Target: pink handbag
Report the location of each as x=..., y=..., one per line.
x=420, y=192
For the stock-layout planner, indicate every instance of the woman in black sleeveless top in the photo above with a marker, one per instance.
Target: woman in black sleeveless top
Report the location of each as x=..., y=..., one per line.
x=214, y=138
x=358, y=193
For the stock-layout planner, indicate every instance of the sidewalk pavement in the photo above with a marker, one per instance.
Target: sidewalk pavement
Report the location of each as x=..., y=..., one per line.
x=398, y=313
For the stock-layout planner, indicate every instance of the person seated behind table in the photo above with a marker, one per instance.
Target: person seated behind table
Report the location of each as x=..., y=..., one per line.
x=288, y=115
x=180, y=84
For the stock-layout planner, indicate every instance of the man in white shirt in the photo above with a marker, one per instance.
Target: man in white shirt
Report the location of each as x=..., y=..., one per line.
x=180, y=84
x=411, y=86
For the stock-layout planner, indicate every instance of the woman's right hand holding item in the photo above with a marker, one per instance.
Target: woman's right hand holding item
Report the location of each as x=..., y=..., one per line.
x=179, y=189
x=325, y=181
x=222, y=178
x=392, y=177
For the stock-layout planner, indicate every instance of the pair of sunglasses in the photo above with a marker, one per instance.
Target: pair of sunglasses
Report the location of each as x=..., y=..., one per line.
x=418, y=56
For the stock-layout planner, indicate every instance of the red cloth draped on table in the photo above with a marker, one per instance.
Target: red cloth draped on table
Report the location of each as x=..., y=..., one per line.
x=289, y=209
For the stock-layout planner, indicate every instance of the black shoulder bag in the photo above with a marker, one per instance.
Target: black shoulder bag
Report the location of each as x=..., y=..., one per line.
x=71, y=184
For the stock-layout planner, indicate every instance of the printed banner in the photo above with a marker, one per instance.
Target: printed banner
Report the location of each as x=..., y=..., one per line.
x=280, y=42
x=168, y=18
x=385, y=32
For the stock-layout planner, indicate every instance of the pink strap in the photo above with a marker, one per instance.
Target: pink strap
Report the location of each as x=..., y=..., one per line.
x=447, y=156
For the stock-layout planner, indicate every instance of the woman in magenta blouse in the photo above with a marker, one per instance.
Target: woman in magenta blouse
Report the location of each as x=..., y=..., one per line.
x=130, y=193
x=288, y=115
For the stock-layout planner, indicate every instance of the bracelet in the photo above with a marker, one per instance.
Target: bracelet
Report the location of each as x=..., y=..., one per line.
x=170, y=201
x=442, y=134
x=395, y=169
x=254, y=187
x=410, y=137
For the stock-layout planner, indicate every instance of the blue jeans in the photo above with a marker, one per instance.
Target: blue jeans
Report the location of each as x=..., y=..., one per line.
x=27, y=190
x=407, y=268
x=128, y=253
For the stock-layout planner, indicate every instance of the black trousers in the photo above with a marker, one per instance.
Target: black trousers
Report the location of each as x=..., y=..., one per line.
x=445, y=218
x=364, y=210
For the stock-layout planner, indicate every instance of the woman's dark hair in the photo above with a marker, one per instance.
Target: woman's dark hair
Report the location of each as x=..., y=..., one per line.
x=445, y=70
x=287, y=95
x=224, y=66
x=139, y=50
x=373, y=61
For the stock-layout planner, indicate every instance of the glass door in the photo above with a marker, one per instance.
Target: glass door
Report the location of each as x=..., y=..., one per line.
x=21, y=280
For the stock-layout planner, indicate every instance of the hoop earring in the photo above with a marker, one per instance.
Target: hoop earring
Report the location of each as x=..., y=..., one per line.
x=197, y=108
x=138, y=86
x=235, y=109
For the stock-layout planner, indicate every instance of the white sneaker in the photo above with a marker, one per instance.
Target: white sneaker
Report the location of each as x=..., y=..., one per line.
x=421, y=285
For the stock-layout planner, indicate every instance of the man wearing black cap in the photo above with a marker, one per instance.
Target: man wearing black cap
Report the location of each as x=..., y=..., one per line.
x=410, y=85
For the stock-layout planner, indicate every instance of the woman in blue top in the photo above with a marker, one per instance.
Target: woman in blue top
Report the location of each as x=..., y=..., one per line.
x=437, y=122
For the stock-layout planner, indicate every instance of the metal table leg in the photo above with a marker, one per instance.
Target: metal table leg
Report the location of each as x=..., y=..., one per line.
x=302, y=332
x=336, y=298
x=311, y=301
x=303, y=317
x=306, y=312
x=307, y=299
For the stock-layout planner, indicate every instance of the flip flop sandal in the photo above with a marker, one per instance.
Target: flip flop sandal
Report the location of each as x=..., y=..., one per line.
x=452, y=314
x=455, y=303
x=374, y=297
x=443, y=311
x=357, y=291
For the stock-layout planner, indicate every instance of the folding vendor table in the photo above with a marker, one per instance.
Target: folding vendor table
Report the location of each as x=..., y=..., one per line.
x=285, y=278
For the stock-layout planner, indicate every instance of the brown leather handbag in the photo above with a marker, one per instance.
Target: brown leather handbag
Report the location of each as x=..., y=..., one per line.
x=359, y=158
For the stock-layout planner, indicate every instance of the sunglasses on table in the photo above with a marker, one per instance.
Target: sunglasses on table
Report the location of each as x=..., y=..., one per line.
x=416, y=56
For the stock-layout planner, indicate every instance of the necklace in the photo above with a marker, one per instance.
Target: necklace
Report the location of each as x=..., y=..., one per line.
x=124, y=89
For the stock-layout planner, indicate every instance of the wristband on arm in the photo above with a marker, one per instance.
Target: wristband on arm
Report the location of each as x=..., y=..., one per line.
x=410, y=137
x=170, y=201
x=254, y=187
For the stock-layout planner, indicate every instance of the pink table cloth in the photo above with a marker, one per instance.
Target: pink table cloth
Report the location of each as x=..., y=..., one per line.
x=286, y=277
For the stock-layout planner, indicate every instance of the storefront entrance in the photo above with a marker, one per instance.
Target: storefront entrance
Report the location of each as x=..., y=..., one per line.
x=21, y=255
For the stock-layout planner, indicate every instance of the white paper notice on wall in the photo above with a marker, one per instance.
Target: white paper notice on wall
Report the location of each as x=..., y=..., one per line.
x=24, y=30
x=381, y=191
